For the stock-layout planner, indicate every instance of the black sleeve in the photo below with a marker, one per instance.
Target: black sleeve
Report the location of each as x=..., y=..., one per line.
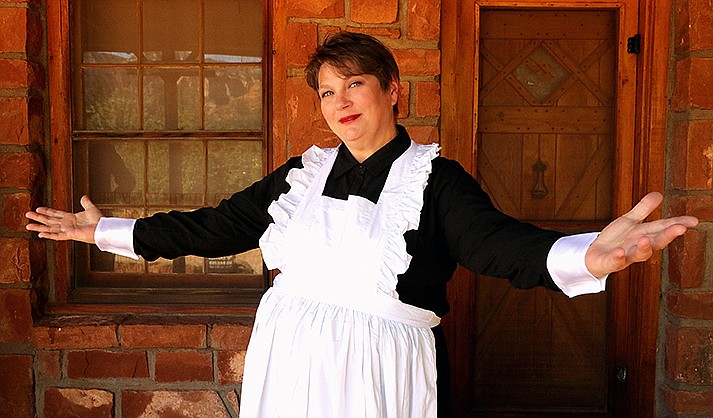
x=232, y=227
x=483, y=239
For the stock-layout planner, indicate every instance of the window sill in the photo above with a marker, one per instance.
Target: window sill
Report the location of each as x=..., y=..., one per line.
x=65, y=315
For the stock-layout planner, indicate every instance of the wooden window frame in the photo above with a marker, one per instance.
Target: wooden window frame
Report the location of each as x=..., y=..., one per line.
x=64, y=296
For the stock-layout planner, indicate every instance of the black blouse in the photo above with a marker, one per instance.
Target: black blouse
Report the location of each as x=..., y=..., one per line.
x=458, y=225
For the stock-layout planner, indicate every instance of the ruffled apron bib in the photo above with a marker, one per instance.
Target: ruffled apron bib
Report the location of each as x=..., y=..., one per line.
x=331, y=339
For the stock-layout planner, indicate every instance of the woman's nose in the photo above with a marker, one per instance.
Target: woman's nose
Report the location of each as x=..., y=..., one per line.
x=342, y=101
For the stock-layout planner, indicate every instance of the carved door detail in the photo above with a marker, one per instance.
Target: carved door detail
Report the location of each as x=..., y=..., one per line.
x=546, y=147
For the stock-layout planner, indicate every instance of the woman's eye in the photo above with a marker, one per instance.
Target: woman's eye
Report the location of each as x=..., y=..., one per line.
x=326, y=93
x=355, y=83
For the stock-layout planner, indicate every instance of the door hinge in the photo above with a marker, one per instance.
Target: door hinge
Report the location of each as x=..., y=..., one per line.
x=621, y=374
x=633, y=44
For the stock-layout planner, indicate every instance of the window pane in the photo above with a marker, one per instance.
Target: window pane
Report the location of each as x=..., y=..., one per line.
x=116, y=172
x=232, y=166
x=233, y=31
x=171, y=30
x=175, y=172
x=233, y=98
x=249, y=262
x=171, y=99
x=109, y=31
x=110, y=99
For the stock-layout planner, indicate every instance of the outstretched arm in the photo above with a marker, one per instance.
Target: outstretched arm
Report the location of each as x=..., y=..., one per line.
x=61, y=226
x=628, y=239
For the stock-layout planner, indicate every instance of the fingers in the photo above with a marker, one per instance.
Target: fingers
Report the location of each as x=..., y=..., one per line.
x=86, y=202
x=42, y=218
x=54, y=232
x=645, y=207
x=661, y=240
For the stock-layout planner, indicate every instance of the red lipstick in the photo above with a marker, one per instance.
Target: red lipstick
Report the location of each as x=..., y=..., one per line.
x=349, y=118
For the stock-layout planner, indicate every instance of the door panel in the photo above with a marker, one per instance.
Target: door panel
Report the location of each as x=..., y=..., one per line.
x=545, y=153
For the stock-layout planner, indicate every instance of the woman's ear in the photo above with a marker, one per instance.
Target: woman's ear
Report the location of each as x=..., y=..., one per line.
x=394, y=90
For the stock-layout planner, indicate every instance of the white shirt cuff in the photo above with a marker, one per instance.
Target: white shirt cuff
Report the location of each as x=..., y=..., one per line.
x=116, y=235
x=565, y=262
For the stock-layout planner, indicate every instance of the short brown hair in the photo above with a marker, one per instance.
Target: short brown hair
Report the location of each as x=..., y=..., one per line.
x=354, y=54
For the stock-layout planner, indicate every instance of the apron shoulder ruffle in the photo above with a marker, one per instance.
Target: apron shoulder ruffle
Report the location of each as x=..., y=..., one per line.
x=284, y=208
x=406, y=214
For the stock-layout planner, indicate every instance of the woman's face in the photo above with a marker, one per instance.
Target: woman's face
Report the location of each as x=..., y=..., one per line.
x=357, y=110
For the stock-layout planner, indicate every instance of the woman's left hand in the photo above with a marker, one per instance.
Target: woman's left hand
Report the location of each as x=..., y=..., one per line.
x=628, y=239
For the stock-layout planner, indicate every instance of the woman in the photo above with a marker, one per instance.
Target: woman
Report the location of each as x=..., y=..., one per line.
x=365, y=237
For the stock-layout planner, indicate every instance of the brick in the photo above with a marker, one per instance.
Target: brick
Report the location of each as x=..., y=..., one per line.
x=16, y=386
x=692, y=159
x=424, y=20
x=305, y=124
x=16, y=265
x=693, y=26
x=98, y=364
x=21, y=121
x=370, y=11
x=22, y=32
x=47, y=365
x=183, y=366
x=418, y=61
x=15, y=316
x=19, y=74
x=234, y=400
x=315, y=8
x=392, y=33
x=700, y=206
x=230, y=337
x=691, y=305
x=230, y=367
x=694, y=86
x=88, y=336
x=23, y=170
x=428, y=99
x=689, y=355
x=692, y=402
x=687, y=259
x=78, y=403
x=145, y=336
x=15, y=205
x=404, y=100
x=423, y=134
x=303, y=42
x=172, y=404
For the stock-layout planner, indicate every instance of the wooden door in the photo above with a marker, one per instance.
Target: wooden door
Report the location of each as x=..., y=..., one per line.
x=553, y=145
x=546, y=140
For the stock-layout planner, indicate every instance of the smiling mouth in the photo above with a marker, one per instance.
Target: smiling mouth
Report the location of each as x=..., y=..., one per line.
x=349, y=118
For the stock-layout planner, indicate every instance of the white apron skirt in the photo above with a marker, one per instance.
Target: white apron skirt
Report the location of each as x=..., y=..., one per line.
x=331, y=339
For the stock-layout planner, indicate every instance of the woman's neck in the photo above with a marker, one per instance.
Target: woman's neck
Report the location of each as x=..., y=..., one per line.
x=361, y=152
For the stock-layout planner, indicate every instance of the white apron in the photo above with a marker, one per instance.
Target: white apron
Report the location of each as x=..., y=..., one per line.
x=331, y=339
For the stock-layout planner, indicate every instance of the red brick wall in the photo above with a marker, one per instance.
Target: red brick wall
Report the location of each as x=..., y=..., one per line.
x=91, y=367
x=123, y=370
x=22, y=81
x=687, y=314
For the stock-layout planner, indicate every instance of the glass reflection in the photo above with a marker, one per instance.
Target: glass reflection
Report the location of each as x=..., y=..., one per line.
x=175, y=170
x=110, y=99
x=233, y=31
x=233, y=98
x=171, y=99
x=116, y=172
x=109, y=31
x=171, y=39
x=232, y=166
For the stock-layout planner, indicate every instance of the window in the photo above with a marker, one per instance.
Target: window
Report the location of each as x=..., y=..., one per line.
x=167, y=113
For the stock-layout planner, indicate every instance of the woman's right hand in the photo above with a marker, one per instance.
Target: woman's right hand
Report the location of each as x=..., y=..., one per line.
x=61, y=226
